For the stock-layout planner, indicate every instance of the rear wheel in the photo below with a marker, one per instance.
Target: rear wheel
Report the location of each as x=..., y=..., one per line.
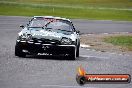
x=18, y=51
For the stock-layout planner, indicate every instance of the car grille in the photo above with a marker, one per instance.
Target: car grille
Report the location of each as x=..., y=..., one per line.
x=46, y=41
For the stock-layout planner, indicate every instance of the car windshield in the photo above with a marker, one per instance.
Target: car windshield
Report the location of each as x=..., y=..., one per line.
x=60, y=26
x=54, y=25
x=37, y=22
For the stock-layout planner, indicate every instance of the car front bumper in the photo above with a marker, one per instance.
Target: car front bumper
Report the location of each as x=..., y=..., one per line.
x=38, y=48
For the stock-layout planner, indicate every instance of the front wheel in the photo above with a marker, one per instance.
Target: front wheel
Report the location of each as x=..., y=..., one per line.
x=73, y=54
x=77, y=52
x=18, y=51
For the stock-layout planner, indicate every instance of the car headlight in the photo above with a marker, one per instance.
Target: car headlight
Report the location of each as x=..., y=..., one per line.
x=66, y=41
x=25, y=37
x=29, y=37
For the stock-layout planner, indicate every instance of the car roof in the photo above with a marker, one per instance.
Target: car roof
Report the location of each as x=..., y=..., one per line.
x=52, y=17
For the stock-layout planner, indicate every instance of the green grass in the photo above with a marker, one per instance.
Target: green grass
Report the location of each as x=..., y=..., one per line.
x=124, y=41
x=83, y=9
x=111, y=3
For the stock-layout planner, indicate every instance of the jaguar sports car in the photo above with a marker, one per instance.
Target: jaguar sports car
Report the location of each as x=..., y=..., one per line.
x=48, y=35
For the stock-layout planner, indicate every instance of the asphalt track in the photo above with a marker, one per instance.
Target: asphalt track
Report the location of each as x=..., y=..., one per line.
x=53, y=72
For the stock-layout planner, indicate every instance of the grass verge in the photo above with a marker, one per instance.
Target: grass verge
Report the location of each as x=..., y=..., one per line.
x=86, y=3
x=28, y=9
x=124, y=41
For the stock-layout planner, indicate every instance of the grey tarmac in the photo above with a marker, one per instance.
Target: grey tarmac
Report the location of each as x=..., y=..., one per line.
x=54, y=72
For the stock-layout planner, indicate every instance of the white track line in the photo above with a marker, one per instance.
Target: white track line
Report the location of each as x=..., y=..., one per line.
x=94, y=57
x=84, y=46
x=63, y=86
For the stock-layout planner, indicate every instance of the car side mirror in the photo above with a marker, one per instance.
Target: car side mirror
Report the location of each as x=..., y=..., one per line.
x=22, y=26
x=78, y=32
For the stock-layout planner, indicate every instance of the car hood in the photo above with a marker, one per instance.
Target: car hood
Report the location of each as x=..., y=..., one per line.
x=48, y=34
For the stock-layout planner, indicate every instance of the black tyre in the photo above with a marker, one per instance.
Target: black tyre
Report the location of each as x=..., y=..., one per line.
x=77, y=51
x=73, y=54
x=18, y=51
